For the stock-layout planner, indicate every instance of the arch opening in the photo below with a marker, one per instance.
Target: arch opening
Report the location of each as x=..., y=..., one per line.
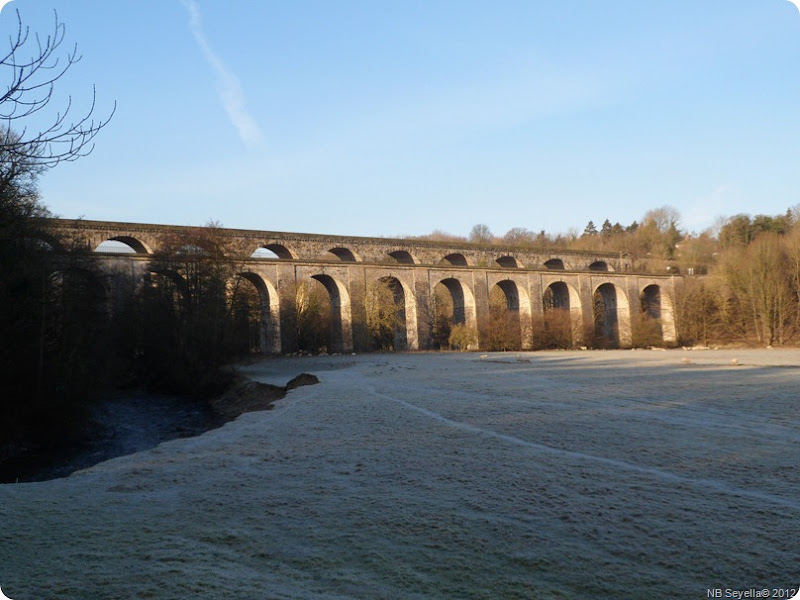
x=122, y=245
x=388, y=315
x=41, y=241
x=453, y=318
x=508, y=262
x=264, y=254
x=455, y=259
x=599, y=265
x=554, y=264
x=651, y=302
x=255, y=311
x=343, y=254
x=558, y=324
x=606, y=318
x=276, y=250
x=338, y=307
x=648, y=329
x=312, y=317
x=403, y=257
x=505, y=323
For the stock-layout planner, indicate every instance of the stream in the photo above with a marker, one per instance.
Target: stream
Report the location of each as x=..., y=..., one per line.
x=125, y=423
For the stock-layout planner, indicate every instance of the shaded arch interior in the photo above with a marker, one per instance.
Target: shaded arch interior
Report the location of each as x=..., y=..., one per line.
x=455, y=259
x=611, y=312
x=651, y=301
x=343, y=254
x=554, y=264
x=508, y=262
x=460, y=300
x=269, y=321
x=509, y=323
x=463, y=302
x=657, y=307
x=403, y=257
x=563, y=319
x=402, y=324
x=341, y=322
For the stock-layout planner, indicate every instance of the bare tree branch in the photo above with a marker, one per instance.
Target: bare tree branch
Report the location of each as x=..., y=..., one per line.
x=32, y=66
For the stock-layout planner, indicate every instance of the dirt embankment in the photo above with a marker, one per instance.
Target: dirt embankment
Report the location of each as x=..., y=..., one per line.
x=248, y=396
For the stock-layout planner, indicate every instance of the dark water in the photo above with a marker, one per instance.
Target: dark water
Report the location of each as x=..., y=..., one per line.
x=123, y=424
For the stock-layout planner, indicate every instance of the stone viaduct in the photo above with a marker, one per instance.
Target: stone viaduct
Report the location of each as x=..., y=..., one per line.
x=591, y=286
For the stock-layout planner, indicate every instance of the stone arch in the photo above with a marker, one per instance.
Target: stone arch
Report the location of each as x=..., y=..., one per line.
x=657, y=306
x=43, y=240
x=131, y=242
x=611, y=316
x=403, y=257
x=461, y=307
x=403, y=332
x=463, y=301
x=344, y=254
x=279, y=250
x=508, y=262
x=554, y=264
x=456, y=259
x=509, y=323
x=269, y=330
x=650, y=300
x=563, y=316
x=341, y=319
x=600, y=265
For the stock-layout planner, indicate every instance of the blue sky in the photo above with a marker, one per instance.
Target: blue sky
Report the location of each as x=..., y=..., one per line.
x=399, y=117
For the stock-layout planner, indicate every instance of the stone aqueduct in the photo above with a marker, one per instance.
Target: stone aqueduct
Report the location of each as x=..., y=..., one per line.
x=347, y=265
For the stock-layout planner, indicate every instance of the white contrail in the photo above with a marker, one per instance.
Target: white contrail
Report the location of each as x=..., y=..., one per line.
x=228, y=85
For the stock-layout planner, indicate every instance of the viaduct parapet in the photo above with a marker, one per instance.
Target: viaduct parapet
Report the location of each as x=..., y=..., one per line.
x=597, y=289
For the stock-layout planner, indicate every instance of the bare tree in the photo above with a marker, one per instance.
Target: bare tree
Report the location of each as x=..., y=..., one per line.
x=760, y=283
x=31, y=66
x=481, y=234
x=700, y=303
x=519, y=236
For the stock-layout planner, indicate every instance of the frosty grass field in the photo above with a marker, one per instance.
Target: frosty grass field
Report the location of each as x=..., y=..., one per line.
x=620, y=474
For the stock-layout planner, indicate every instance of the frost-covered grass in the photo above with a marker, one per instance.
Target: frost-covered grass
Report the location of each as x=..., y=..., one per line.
x=549, y=475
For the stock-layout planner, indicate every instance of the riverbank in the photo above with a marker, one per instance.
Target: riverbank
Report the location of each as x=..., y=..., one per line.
x=133, y=421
